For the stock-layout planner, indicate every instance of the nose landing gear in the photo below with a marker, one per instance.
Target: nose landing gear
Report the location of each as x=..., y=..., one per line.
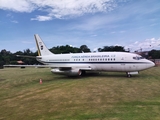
x=129, y=74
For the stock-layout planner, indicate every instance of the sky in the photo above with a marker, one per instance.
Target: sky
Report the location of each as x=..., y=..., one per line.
x=133, y=24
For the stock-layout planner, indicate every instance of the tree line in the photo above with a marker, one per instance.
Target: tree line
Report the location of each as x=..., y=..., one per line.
x=6, y=57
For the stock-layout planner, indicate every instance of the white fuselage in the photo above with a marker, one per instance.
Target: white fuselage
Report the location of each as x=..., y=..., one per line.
x=101, y=61
x=79, y=63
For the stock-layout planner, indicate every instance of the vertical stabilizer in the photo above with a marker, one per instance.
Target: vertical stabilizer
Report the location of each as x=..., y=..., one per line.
x=42, y=49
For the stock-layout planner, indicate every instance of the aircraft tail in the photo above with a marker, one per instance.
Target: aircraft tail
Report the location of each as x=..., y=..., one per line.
x=42, y=49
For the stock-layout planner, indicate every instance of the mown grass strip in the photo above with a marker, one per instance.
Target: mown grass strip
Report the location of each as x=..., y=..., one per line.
x=104, y=96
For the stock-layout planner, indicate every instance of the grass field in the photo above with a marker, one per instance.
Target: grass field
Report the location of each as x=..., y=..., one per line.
x=108, y=96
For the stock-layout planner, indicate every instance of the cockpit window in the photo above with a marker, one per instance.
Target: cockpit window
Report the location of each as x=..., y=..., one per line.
x=138, y=57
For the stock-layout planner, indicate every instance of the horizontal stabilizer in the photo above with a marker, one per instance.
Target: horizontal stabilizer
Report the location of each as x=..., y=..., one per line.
x=26, y=56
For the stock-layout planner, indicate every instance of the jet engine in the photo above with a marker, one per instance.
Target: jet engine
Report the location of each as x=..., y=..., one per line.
x=71, y=72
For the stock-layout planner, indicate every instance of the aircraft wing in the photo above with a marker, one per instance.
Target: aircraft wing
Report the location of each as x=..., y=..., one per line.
x=26, y=56
x=23, y=66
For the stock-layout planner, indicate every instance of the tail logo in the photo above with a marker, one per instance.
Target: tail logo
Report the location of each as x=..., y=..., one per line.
x=40, y=43
x=41, y=47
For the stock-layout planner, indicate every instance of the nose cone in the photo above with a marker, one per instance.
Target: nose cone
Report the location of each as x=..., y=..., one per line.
x=151, y=64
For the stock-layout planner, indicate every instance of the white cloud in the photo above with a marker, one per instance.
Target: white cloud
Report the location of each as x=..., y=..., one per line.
x=16, y=5
x=147, y=44
x=136, y=42
x=58, y=8
x=42, y=18
x=71, y=8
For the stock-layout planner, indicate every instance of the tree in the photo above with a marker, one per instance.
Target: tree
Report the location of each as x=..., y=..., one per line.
x=154, y=54
x=28, y=61
x=27, y=52
x=84, y=48
x=64, y=49
x=5, y=56
x=1, y=61
x=111, y=48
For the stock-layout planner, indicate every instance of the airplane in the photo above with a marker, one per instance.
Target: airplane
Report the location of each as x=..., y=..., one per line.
x=76, y=64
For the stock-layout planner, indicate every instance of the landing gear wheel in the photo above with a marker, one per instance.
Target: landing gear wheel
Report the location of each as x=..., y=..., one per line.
x=79, y=72
x=128, y=75
x=83, y=73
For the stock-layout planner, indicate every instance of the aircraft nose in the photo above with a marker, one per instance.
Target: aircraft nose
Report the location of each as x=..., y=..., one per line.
x=151, y=64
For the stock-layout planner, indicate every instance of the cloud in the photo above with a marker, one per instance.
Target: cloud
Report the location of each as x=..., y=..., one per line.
x=16, y=5
x=42, y=18
x=136, y=42
x=63, y=8
x=147, y=44
x=59, y=8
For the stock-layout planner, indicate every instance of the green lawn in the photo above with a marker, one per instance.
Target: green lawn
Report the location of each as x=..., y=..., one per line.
x=109, y=96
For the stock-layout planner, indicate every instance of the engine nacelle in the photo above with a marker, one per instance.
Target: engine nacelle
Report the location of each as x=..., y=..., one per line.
x=73, y=72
